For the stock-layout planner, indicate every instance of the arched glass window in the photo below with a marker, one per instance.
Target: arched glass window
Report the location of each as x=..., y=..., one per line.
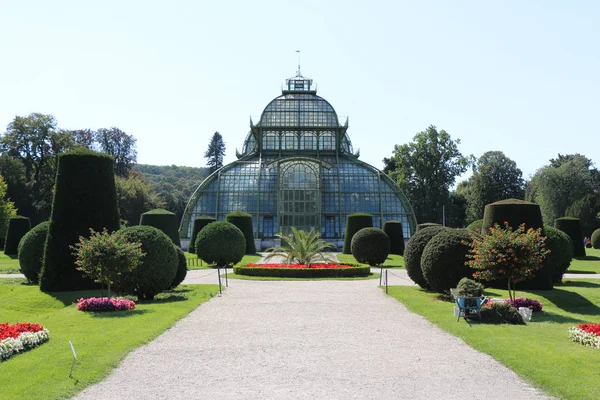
x=271, y=141
x=299, y=196
x=327, y=141
x=308, y=141
x=289, y=141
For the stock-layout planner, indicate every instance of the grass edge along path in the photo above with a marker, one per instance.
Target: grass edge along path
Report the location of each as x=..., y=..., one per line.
x=540, y=352
x=101, y=340
x=272, y=278
x=248, y=258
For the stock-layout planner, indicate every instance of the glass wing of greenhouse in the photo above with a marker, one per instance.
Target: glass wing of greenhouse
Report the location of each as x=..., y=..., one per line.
x=298, y=169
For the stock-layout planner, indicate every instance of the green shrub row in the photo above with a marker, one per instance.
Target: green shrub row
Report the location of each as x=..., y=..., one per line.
x=303, y=272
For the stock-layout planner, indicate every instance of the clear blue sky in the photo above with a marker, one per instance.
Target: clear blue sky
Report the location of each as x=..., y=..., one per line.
x=522, y=77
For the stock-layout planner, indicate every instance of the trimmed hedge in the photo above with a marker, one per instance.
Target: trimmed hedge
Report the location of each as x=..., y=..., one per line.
x=158, y=268
x=85, y=197
x=517, y=212
x=164, y=220
x=572, y=227
x=414, y=250
x=199, y=223
x=443, y=259
x=596, y=239
x=393, y=229
x=303, y=272
x=354, y=223
x=476, y=226
x=513, y=211
x=244, y=222
x=221, y=243
x=370, y=246
x=561, y=252
x=181, y=268
x=31, y=251
x=17, y=228
x=427, y=225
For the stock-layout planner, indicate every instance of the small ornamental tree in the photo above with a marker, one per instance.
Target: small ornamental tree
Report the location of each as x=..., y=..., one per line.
x=301, y=247
x=105, y=256
x=506, y=253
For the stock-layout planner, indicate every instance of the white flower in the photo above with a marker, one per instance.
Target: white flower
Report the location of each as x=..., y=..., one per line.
x=25, y=341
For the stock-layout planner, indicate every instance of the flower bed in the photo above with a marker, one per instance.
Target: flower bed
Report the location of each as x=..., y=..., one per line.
x=535, y=305
x=586, y=334
x=102, y=304
x=302, y=271
x=18, y=338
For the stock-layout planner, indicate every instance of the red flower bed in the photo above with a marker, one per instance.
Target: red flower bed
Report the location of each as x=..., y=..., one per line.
x=300, y=266
x=590, y=328
x=14, y=331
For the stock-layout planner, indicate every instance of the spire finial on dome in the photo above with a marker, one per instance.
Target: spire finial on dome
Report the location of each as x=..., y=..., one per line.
x=298, y=73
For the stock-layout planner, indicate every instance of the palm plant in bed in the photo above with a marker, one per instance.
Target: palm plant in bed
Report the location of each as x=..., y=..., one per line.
x=301, y=247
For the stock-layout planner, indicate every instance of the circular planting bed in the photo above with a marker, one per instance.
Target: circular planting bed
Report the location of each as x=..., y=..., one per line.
x=302, y=271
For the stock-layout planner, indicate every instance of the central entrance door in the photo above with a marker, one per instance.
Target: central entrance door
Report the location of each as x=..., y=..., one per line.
x=299, y=196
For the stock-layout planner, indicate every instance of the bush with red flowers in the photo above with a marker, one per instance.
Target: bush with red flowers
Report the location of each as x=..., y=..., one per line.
x=102, y=304
x=319, y=270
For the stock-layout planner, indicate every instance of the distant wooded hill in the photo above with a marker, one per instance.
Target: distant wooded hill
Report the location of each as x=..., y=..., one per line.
x=174, y=185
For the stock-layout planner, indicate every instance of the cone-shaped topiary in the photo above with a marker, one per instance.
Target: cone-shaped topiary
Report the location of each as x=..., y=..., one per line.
x=370, y=246
x=164, y=220
x=244, y=222
x=181, y=268
x=17, y=228
x=85, y=197
x=221, y=243
x=393, y=229
x=414, y=250
x=427, y=225
x=517, y=212
x=572, y=227
x=199, y=223
x=354, y=223
x=31, y=251
x=475, y=226
x=444, y=257
x=561, y=251
x=596, y=239
x=158, y=268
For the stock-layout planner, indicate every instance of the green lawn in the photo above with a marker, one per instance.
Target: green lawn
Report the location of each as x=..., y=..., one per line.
x=393, y=260
x=101, y=340
x=9, y=264
x=199, y=264
x=590, y=264
x=540, y=352
x=271, y=278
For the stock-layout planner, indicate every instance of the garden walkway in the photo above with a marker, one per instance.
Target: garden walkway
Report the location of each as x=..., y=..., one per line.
x=306, y=340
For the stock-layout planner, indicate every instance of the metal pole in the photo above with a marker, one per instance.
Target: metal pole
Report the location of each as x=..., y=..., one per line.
x=226, y=281
x=386, y=281
x=219, y=274
x=380, y=275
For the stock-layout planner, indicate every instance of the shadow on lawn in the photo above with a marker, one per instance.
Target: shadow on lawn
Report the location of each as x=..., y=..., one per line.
x=581, y=272
x=579, y=284
x=570, y=301
x=546, y=316
x=118, y=314
x=588, y=258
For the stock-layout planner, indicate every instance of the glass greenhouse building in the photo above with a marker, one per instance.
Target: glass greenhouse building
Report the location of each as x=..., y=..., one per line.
x=297, y=168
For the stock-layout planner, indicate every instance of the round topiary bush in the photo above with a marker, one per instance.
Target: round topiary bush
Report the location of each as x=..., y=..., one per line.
x=561, y=251
x=572, y=227
x=393, y=229
x=164, y=220
x=370, y=246
x=244, y=222
x=17, y=228
x=181, y=268
x=221, y=243
x=596, y=239
x=31, y=251
x=475, y=226
x=413, y=251
x=158, y=268
x=427, y=225
x=199, y=223
x=444, y=257
x=354, y=223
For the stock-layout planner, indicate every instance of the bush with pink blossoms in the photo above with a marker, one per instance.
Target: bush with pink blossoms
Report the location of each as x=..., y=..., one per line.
x=100, y=304
x=535, y=305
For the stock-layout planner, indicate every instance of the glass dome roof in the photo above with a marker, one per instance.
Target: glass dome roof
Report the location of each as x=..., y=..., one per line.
x=299, y=110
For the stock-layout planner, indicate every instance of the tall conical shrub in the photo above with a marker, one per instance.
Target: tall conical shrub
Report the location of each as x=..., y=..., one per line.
x=572, y=227
x=199, y=223
x=354, y=223
x=164, y=220
x=17, y=228
x=85, y=197
x=394, y=231
x=244, y=222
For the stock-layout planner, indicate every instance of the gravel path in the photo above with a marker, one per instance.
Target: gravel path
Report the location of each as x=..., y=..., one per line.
x=307, y=340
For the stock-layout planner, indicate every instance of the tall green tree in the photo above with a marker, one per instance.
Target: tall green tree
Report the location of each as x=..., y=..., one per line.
x=586, y=209
x=495, y=177
x=120, y=145
x=135, y=196
x=7, y=209
x=426, y=169
x=558, y=185
x=215, y=152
